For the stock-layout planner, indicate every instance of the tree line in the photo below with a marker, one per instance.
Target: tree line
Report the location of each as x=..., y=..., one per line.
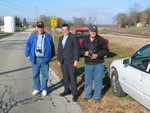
x=134, y=16
x=18, y=21
x=76, y=21
x=21, y=22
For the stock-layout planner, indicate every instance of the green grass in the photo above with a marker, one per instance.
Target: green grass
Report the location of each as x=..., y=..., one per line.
x=6, y=35
x=20, y=29
x=103, y=32
x=136, y=28
x=9, y=34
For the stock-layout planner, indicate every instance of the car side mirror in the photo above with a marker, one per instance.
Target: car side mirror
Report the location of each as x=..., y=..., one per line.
x=126, y=61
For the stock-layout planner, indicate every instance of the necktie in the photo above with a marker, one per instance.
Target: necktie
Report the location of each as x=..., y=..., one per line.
x=64, y=41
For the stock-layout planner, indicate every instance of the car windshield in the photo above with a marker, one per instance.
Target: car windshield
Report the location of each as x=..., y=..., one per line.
x=81, y=34
x=141, y=58
x=143, y=52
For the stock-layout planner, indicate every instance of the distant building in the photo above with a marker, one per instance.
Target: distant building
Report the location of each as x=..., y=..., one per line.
x=141, y=24
x=9, y=24
x=1, y=28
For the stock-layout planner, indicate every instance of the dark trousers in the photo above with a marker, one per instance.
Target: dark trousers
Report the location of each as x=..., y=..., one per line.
x=69, y=78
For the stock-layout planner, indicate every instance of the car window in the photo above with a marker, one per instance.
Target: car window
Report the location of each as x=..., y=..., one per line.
x=141, y=58
x=148, y=68
x=81, y=34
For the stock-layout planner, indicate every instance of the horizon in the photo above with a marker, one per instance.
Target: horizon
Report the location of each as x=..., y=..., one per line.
x=103, y=11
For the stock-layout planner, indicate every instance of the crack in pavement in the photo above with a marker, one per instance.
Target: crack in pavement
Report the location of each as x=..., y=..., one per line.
x=7, y=99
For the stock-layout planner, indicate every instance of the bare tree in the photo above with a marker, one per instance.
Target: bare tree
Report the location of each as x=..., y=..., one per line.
x=78, y=22
x=134, y=14
x=18, y=21
x=25, y=24
x=122, y=19
x=61, y=21
x=91, y=19
x=147, y=11
x=45, y=19
x=144, y=18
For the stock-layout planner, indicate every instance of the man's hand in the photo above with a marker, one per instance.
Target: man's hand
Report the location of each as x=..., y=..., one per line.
x=86, y=53
x=59, y=63
x=75, y=64
x=28, y=58
x=94, y=56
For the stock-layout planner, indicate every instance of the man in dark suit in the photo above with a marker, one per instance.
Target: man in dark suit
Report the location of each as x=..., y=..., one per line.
x=68, y=56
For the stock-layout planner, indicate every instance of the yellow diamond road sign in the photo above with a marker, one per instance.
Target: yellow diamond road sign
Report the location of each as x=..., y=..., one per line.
x=53, y=22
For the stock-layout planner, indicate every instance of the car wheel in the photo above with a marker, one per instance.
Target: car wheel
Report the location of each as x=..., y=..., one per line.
x=115, y=85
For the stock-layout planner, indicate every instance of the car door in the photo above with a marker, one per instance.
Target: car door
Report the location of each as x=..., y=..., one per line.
x=141, y=61
x=146, y=88
x=134, y=74
x=133, y=82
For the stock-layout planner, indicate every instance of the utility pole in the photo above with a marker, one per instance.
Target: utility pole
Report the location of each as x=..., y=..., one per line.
x=0, y=23
x=149, y=21
x=53, y=29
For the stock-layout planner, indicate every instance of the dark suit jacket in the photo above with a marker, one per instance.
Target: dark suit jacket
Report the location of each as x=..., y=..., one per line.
x=71, y=51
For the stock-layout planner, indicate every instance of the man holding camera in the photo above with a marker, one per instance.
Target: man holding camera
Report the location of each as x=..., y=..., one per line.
x=94, y=48
x=40, y=50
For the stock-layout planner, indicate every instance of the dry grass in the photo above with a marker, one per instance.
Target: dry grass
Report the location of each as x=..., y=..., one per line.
x=133, y=43
x=112, y=105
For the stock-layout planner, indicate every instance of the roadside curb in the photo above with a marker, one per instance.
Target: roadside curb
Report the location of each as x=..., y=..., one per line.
x=65, y=103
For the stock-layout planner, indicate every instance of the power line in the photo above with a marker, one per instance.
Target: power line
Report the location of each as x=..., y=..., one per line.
x=20, y=4
x=20, y=8
x=12, y=9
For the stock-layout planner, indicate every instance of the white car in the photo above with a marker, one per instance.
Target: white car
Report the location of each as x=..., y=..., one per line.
x=132, y=76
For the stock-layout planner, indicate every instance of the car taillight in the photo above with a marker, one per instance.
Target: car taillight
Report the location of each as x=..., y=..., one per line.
x=107, y=41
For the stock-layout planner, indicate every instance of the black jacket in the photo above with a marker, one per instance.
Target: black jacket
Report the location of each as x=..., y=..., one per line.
x=98, y=46
x=71, y=51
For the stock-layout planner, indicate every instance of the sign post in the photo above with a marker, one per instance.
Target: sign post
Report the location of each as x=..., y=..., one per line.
x=53, y=23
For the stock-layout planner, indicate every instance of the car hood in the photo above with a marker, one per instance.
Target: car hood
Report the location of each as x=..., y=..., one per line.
x=118, y=61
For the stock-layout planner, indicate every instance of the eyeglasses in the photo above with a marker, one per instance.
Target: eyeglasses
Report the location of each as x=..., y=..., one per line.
x=64, y=29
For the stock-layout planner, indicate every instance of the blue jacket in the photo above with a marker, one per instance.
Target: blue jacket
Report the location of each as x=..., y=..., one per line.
x=49, y=50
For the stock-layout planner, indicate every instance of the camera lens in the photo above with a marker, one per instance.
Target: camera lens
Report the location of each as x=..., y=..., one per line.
x=38, y=50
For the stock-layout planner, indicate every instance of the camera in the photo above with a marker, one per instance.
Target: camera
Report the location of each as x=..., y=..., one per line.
x=38, y=50
x=90, y=53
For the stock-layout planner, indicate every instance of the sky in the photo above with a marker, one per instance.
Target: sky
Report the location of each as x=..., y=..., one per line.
x=103, y=10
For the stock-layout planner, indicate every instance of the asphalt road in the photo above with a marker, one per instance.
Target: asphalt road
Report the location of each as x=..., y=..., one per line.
x=16, y=82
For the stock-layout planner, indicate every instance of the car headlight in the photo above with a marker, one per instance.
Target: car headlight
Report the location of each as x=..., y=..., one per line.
x=108, y=69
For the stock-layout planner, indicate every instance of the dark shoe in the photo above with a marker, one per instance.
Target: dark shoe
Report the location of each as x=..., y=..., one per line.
x=75, y=98
x=65, y=93
x=86, y=99
x=97, y=100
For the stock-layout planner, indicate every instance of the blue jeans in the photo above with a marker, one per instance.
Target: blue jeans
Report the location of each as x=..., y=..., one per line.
x=42, y=67
x=93, y=72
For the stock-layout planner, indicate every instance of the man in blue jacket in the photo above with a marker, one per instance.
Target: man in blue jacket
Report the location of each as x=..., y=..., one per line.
x=40, y=50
